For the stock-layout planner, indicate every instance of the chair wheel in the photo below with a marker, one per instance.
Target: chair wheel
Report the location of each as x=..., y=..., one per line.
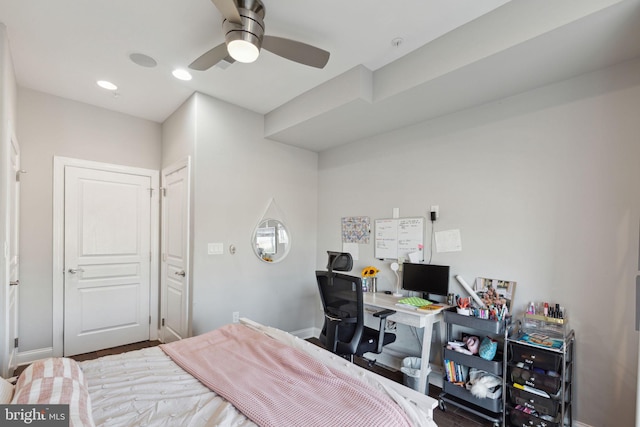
x=442, y=406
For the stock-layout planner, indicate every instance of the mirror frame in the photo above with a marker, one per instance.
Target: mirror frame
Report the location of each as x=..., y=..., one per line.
x=277, y=255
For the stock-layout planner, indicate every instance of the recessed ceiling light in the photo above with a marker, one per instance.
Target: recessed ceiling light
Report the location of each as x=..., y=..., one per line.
x=107, y=85
x=181, y=74
x=143, y=60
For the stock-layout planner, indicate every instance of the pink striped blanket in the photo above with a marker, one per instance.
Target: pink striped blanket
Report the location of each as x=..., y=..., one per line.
x=276, y=385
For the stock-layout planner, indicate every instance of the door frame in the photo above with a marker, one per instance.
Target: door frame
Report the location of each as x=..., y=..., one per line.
x=184, y=163
x=59, y=165
x=7, y=139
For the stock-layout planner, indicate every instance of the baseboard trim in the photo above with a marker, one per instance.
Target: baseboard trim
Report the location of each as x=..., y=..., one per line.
x=579, y=424
x=27, y=357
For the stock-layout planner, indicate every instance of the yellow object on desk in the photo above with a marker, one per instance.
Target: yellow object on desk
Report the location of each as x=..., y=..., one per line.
x=430, y=307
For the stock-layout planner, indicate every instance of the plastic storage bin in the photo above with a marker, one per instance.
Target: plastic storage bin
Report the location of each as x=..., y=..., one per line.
x=534, y=357
x=542, y=381
x=551, y=326
x=522, y=419
x=540, y=404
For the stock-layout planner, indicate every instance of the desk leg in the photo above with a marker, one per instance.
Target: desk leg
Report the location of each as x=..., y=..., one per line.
x=426, y=352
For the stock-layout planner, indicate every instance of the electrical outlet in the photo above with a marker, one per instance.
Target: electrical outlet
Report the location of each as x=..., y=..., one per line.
x=236, y=316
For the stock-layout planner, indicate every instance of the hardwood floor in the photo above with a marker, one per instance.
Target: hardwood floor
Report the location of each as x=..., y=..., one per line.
x=100, y=353
x=452, y=417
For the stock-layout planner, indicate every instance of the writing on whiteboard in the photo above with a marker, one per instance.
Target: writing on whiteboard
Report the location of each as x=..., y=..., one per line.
x=398, y=237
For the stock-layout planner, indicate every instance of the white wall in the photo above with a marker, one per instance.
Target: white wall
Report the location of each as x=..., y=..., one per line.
x=544, y=188
x=7, y=125
x=236, y=172
x=50, y=126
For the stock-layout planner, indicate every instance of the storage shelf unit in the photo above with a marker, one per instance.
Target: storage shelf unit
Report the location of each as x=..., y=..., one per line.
x=487, y=408
x=538, y=370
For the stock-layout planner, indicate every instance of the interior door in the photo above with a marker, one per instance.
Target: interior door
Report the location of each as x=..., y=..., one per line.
x=175, y=305
x=107, y=256
x=14, y=257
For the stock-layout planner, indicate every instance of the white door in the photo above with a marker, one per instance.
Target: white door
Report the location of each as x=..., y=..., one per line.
x=175, y=297
x=107, y=257
x=14, y=257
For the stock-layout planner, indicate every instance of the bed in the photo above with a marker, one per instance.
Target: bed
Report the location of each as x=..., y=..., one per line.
x=165, y=385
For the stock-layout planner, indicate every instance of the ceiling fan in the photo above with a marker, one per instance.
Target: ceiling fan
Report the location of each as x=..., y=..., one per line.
x=243, y=28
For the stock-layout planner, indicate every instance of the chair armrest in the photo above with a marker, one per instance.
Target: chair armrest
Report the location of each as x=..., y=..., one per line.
x=384, y=313
x=383, y=316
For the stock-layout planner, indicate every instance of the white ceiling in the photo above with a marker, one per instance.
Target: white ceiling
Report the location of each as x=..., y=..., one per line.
x=62, y=47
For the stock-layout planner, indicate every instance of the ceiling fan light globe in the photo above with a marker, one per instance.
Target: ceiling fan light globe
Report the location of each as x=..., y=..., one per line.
x=243, y=50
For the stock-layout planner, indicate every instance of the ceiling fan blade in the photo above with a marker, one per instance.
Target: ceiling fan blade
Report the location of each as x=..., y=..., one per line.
x=211, y=58
x=229, y=10
x=296, y=51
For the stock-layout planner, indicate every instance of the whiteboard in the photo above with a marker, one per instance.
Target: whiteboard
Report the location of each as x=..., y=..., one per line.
x=398, y=237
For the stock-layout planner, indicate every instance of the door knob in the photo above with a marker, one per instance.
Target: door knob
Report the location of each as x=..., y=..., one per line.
x=180, y=273
x=16, y=283
x=75, y=270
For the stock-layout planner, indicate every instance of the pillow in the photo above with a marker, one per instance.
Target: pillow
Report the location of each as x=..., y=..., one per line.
x=6, y=392
x=53, y=381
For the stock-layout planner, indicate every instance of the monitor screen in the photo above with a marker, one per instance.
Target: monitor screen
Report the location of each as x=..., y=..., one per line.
x=427, y=278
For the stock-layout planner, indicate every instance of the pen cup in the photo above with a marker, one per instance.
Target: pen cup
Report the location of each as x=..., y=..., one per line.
x=373, y=284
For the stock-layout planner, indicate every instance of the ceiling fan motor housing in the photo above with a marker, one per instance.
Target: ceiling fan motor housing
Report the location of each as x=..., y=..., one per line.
x=251, y=29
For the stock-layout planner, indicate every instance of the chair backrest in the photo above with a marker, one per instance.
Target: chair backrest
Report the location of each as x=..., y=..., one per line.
x=342, y=301
x=339, y=261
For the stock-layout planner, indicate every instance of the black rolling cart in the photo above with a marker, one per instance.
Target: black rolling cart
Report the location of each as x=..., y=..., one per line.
x=539, y=378
x=456, y=394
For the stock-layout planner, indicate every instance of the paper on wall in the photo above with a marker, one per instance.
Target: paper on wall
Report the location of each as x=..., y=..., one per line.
x=353, y=249
x=448, y=241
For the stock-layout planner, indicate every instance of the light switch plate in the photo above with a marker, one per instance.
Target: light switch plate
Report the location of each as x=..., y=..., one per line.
x=215, y=249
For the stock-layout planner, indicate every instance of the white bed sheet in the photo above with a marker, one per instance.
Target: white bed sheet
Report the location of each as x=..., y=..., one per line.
x=146, y=388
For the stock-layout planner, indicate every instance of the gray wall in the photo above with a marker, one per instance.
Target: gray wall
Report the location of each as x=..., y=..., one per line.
x=236, y=172
x=544, y=188
x=50, y=126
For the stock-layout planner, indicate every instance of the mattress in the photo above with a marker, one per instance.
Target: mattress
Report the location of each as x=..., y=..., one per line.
x=146, y=388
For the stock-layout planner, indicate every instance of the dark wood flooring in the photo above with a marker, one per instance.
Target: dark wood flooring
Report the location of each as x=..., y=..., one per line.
x=452, y=417
x=100, y=353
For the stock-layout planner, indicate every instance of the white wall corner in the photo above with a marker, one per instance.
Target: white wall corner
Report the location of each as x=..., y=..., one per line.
x=355, y=85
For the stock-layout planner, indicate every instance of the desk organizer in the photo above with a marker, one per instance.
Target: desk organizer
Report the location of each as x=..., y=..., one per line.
x=550, y=326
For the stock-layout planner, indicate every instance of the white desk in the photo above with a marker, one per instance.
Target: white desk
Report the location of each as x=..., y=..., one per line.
x=407, y=316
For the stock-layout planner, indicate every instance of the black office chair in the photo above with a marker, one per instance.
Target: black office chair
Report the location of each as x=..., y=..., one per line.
x=344, y=332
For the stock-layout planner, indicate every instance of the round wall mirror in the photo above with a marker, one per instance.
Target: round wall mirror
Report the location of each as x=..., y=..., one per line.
x=271, y=240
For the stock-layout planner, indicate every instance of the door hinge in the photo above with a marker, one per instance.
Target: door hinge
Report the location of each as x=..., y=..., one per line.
x=150, y=192
x=149, y=319
x=164, y=191
x=163, y=321
x=164, y=257
x=15, y=343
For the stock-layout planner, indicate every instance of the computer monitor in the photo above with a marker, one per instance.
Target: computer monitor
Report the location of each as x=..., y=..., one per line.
x=430, y=279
